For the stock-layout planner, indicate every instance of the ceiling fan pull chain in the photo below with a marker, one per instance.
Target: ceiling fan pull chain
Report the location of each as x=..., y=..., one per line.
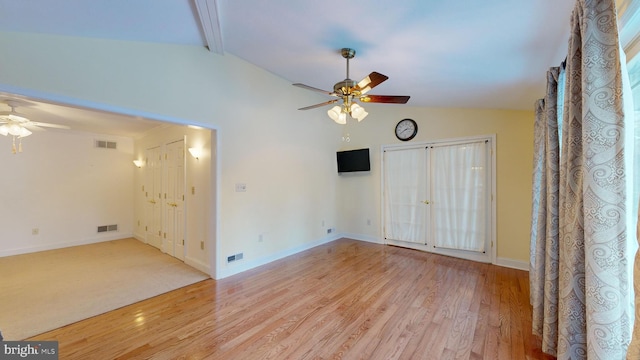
x=13, y=147
x=20, y=145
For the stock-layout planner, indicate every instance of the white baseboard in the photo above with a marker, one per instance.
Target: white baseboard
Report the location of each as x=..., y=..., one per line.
x=140, y=237
x=514, y=264
x=198, y=265
x=194, y=263
x=504, y=262
x=241, y=266
x=87, y=241
x=361, y=237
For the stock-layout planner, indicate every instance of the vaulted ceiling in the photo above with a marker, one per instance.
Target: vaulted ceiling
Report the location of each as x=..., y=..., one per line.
x=465, y=53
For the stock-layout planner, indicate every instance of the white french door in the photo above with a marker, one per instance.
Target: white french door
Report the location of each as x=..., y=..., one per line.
x=437, y=197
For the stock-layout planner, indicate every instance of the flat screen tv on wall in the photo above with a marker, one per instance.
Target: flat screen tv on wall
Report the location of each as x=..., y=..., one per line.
x=353, y=160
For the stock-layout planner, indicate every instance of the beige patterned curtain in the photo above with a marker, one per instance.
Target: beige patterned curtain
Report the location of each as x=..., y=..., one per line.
x=544, y=228
x=580, y=274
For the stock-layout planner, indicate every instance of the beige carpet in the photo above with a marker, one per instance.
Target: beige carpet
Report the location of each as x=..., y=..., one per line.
x=46, y=290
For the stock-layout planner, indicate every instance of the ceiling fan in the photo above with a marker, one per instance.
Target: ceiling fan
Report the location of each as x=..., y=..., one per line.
x=349, y=92
x=19, y=126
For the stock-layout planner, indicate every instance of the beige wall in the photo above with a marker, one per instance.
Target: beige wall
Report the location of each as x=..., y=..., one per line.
x=285, y=157
x=65, y=187
x=360, y=194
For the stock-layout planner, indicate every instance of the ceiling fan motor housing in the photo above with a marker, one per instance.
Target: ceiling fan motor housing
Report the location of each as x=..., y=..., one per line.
x=344, y=87
x=350, y=90
x=348, y=53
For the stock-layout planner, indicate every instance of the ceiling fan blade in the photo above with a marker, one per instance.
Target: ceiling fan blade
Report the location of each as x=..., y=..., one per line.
x=319, y=105
x=315, y=89
x=374, y=79
x=33, y=127
x=385, y=99
x=56, y=126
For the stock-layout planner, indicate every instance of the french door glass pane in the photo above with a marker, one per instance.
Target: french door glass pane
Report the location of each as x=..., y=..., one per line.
x=405, y=193
x=459, y=196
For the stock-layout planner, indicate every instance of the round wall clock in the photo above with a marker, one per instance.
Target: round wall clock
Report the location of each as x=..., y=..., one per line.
x=406, y=129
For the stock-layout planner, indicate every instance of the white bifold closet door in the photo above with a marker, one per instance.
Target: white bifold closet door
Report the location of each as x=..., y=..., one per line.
x=164, y=195
x=437, y=197
x=153, y=197
x=174, y=184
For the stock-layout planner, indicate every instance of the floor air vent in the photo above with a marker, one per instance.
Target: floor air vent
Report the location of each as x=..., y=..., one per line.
x=103, y=144
x=106, y=228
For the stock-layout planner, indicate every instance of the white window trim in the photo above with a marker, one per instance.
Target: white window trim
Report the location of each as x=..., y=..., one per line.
x=628, y=24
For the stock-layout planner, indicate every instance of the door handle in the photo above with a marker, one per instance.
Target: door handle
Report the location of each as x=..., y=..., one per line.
x=172, y=204
x=152, y=201
x=426, y=202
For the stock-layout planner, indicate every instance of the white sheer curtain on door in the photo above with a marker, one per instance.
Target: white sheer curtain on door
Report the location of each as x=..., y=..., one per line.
x=405, y=192
x=458, y=196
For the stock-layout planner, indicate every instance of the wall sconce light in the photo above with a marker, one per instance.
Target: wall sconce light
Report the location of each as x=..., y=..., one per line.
x=195, y=152
x=138, y=163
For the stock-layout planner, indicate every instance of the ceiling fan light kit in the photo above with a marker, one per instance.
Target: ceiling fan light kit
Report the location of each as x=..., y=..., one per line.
x=338, y=115
x=358, y=112
x=350, y=92
x=14, y=130
x=14, y=124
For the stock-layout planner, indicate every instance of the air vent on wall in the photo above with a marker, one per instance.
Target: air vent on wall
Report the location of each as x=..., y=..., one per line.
x=105, y=228
x=104, y=144
x=235, y=257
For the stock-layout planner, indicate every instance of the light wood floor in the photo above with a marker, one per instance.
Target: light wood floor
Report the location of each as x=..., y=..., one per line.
x=344, y=300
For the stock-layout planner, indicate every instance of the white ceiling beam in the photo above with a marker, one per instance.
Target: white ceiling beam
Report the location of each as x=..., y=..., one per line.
x=210, y=22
